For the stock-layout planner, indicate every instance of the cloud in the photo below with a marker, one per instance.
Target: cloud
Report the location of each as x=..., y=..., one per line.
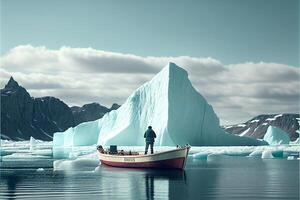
x=82, y=75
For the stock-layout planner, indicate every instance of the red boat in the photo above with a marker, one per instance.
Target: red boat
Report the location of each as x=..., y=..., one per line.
x=175, y=159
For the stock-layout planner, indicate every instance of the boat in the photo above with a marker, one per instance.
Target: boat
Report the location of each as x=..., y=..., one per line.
x=172, y=159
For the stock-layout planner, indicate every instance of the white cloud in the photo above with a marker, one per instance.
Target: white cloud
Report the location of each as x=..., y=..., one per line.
x=82, y=75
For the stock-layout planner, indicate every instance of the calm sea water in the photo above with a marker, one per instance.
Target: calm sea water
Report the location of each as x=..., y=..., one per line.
x=219, y=177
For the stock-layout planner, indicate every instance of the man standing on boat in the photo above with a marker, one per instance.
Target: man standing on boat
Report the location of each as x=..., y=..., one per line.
x=149, y=137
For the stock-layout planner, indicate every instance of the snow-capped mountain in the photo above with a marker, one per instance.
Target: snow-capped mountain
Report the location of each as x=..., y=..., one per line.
x=257, y=126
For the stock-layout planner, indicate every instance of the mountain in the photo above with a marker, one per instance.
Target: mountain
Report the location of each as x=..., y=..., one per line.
x=23, y=116
x=170, y=104
x=90, y=112
x=257, y=126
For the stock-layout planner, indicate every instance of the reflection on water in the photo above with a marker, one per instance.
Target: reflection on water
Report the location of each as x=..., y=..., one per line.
x=139, y=183
x=11, y=180
x=149, y=186
x=220, y=177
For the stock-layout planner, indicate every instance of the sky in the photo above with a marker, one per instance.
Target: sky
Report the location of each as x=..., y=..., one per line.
x=241, y=55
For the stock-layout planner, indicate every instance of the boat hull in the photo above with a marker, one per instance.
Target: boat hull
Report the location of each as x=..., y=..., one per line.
x=174, y=159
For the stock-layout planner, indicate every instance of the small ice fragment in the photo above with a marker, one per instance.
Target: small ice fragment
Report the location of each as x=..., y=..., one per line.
x=256, y=153
x=40, y=170
x=77, y=164
x=200, y=156
x=290, y=158
x=97, y=169
x=267, y=154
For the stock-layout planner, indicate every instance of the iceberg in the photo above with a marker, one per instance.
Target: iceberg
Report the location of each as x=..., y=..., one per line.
x=170, y=104
x=276, y=136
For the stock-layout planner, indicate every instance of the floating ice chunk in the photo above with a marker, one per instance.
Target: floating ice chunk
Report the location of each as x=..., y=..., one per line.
x=23, y=156
x=40, y=170
x=276, y=136
x=256, y=153
x=267, y=154
x=200, y=155
x=278, y=153
x=84, y=163
x=89, y=161
x=238, y=153
x=42, y=152
x=290, y=158
x=97, y=169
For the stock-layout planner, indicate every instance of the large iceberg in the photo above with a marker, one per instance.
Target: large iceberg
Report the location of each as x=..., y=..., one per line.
x=276, y=136
x=170, y=104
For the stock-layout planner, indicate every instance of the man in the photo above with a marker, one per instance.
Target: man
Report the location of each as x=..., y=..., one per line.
x=149, y=137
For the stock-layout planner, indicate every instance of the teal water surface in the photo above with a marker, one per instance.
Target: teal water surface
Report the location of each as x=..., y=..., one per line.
x=218, y=177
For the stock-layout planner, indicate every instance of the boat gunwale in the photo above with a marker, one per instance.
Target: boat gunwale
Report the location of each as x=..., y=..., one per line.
x=147, y=155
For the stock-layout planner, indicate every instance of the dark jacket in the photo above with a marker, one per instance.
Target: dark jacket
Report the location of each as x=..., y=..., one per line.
x=150, y=135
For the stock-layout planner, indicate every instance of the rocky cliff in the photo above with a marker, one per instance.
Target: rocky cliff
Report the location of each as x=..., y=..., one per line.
x=90, y=112
x=257, y=126
x=23, y=116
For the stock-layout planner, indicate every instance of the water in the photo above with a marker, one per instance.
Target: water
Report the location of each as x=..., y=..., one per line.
x=218, y=177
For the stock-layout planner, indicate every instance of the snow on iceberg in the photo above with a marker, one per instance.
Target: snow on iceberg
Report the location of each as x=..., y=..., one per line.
x=276, y=136
x=170, y=104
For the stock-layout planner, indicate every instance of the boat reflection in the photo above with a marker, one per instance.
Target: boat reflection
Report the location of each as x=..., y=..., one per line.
x=143, y=183
x=149, y=186
x=11, y=181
